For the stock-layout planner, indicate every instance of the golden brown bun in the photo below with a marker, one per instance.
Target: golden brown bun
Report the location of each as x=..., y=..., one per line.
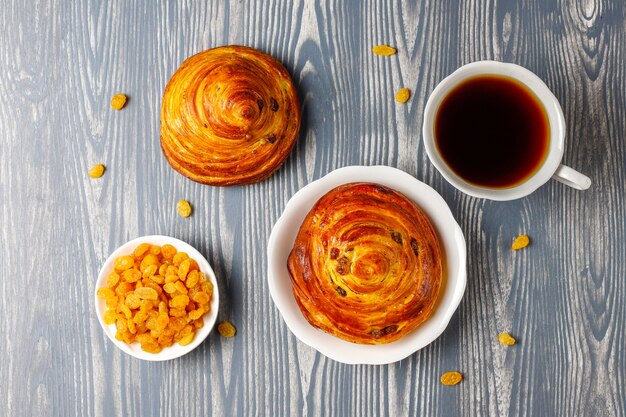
x=230, y=116
x=366, y=264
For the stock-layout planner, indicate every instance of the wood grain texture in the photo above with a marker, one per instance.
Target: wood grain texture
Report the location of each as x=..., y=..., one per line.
x=563, y=297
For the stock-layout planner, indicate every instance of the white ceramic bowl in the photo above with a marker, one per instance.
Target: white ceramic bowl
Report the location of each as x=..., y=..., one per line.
x=175, y=350
x=452, y=242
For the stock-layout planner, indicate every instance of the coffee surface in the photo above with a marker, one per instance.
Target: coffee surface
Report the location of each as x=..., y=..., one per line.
x=492, y=131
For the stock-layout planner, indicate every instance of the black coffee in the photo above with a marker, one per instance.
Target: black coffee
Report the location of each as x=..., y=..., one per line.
x=492, y=131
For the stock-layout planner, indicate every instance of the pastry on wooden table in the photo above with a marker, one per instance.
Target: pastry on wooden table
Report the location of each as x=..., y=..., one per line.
x=230, y=116
x=366, y=265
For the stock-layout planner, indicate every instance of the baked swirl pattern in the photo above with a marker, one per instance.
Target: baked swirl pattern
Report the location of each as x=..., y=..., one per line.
x=230, y=116
x=366, y=264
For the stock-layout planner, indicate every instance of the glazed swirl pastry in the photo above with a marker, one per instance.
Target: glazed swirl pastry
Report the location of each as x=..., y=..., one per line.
x=230, y=116
x=366, y=264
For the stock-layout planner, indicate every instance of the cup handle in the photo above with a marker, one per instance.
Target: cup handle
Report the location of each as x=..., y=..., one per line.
x=571, y=177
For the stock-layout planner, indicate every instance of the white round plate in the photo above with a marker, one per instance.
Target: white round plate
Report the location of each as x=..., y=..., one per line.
x=175, y=350
x=453, y=248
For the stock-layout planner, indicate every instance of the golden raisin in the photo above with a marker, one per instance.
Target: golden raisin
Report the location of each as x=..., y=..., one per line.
x=109, y=317
x=133, y=301
x=105, y=293
x=123, y=288
x=146, y=293
x=156, y=287
x=179, y=257
x=143, y=338
x=183, y=269
x=185, y=331
x=184, y=208
x=111, y=302
x=96, y=171
x=149, y=271
x=140, y=317
x=165, y=340
x=171, y=278
x=192, y=279
x=112, y=279
x=520, y=242
x=196, y=314
x=169, y=287
x=193, y=265
x=146, y=305
x=132, y=327
x=384, y=50
x=121, y=326
x=131, y=275
x=123, y=263
x=151, y=347
x=506, y=339
x=207, y=287
x=177, y=323
x=127, y=337
x=118, y=101
x=179, y=301
x=185, y=340
x=148, y=260
x=162, y=321
x=168, y=251
x=151, y=320
x=226, y=329
x=451, y=378
x=141, y=250
x=158, y=279
x=180, y=287
x=403, y=95
x=201, y=297
x=177, y=312
x=123, y=308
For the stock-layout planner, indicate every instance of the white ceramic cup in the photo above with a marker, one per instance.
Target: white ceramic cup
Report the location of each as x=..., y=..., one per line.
x=551, y=167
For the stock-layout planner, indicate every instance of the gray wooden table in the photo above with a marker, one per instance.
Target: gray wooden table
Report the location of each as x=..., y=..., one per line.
x=564, y=297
